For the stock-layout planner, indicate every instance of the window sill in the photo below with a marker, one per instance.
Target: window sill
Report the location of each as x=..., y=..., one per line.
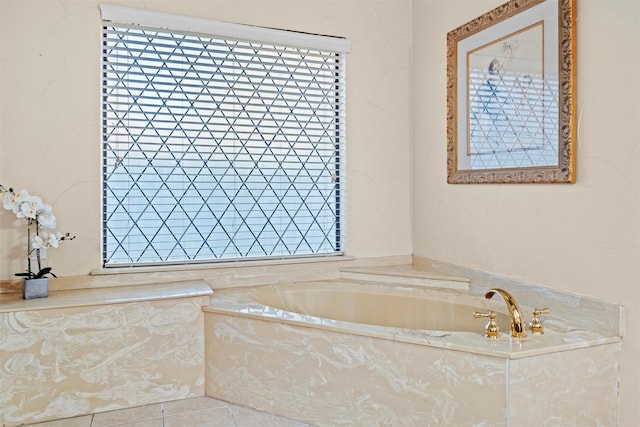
x=219, y=265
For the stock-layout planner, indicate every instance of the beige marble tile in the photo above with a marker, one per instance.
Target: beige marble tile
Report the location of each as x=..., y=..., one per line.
x=82, y=359
x=65, y=362
x=247, y=417
x=130, y=415
x=156, y=422
x=330, y=379
x=571, y=388
x=218, y=275
x=333, y=372
x=443, y=318
x=215, y=417
x=103, y=296
x=577, y=311
x=191, y=405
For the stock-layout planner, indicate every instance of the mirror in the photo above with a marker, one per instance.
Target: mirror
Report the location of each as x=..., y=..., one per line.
x=511, y=95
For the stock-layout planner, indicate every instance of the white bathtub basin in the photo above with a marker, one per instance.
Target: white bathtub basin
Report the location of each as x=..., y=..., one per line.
x=371, y=304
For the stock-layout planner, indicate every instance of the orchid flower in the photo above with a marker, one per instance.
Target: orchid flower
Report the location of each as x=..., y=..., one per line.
x=31, y=207
x=47, y=220
x=40, y=222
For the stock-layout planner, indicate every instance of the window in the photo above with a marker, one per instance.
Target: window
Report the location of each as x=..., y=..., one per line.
x=219, y=147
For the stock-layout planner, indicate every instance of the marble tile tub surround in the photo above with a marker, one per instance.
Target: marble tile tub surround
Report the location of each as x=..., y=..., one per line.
x=574, y=321
x=606, y=315
x=79, y=352
x=330, y=378
x=332, y=373
x=10, y=302
x=570, y=388
x=590, y=314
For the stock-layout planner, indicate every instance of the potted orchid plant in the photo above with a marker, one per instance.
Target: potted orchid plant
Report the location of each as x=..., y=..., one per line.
x=41, y=235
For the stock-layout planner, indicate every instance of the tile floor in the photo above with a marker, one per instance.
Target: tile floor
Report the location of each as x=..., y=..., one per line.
x=194, y=412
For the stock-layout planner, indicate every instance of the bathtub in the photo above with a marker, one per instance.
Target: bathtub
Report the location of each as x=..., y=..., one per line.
x=378, y=305
x=353, y=353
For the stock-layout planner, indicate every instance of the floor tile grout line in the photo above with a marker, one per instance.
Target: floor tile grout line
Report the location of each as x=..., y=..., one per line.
x=163, y=414
x=233, y=417
x=226, y=406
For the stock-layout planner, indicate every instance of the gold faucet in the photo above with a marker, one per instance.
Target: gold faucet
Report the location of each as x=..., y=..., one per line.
x=492, y=330
x=517, y=324
x=536, y=325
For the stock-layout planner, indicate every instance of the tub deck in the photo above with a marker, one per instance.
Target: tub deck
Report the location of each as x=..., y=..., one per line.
x=560, y=335
x=331, y=372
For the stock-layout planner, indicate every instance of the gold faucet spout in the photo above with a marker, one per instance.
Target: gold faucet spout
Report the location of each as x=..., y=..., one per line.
x=517, y=323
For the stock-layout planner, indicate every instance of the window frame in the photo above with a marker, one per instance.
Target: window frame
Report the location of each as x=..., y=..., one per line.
x=115, y=15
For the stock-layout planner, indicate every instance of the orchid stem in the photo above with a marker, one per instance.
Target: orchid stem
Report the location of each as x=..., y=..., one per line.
x=29, y=248
x=38, y=250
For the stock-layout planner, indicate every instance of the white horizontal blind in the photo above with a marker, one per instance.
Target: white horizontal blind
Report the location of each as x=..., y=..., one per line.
x=219, y=149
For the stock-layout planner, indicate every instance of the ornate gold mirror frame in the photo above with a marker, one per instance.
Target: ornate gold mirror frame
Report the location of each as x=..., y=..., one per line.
x=511, y=95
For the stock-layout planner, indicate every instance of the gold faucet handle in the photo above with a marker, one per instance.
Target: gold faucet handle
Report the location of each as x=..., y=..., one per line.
x=536, y=325
x=492, y=330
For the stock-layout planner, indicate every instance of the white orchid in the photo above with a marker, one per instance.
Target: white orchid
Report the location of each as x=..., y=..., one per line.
x=38, y=241
x=47, y=219
x=19, y=198
x=9, y=201
x=53, y=239
x=39, y=216
x=47, y=240
x=31, y=207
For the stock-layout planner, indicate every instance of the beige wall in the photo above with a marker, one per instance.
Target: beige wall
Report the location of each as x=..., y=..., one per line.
x=583, y=238
x=50, y=114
